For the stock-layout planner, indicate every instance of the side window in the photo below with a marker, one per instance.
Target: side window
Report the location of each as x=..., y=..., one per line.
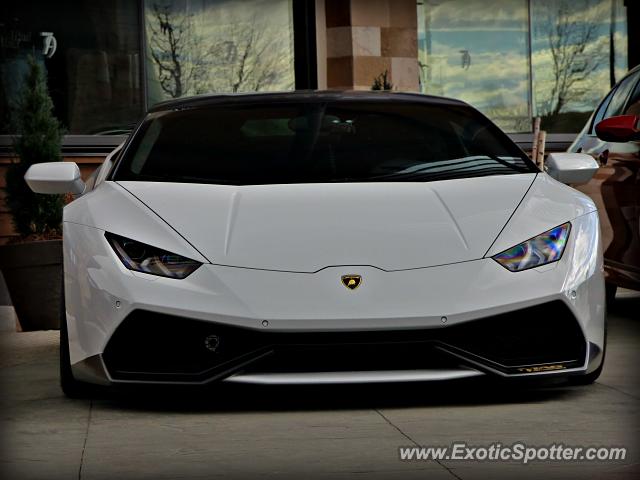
x=633, y=105
x=620, y=97
x=599, y=115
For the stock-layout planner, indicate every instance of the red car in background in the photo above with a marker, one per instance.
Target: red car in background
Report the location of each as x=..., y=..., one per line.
x=612, y=137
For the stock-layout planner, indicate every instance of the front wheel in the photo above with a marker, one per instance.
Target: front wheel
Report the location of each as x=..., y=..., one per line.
x=589, y=378
x=610, y=292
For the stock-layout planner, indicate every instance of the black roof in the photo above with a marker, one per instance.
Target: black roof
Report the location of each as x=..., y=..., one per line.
x=300, y=96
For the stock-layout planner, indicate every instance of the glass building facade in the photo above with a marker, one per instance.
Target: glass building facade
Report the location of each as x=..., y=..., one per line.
x=108, y=60
x=91, y=53
x=205, y=46
x=518, y=59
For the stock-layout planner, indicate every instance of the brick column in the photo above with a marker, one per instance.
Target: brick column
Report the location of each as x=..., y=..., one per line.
x=367, y=37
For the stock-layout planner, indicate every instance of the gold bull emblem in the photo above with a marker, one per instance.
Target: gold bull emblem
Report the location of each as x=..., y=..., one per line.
x=351, y=281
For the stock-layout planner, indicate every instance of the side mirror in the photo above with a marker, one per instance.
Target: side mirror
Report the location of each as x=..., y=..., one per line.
x=571, y=167
x=623, y=128
x=54, y=177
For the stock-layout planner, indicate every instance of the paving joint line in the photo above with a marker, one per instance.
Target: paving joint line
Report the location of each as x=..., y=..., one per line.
x=615, y=389
x=86, y=437
x=415, y=443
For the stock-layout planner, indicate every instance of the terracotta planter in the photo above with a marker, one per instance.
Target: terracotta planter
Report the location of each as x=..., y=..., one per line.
x=33, y=273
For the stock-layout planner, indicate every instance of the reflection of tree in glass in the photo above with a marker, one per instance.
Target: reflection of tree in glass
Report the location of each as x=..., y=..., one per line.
x=510, y=117
x=250, y=56
x=237, y=56
x=576, y=52
x=176, y=52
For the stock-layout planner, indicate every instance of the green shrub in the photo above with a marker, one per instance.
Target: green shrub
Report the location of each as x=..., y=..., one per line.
x=38, y=140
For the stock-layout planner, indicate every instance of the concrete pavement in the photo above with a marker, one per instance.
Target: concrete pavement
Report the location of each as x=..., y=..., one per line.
x=328, y=432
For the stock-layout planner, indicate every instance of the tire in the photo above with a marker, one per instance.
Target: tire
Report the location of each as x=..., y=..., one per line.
x=589, y=378
x=71, y=387
x=610, y=292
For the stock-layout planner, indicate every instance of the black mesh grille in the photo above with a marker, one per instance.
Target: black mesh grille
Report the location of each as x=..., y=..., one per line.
x=152, y=346
x=541, y=334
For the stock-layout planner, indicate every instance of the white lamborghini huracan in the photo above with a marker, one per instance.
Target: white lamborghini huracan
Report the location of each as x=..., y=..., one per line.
x=326, y=237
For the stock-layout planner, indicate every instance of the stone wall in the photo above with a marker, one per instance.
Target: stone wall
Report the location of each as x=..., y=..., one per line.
x=365, y=38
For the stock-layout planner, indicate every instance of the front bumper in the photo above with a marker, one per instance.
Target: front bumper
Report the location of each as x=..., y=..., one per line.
x=441, y=322
x=151, y=347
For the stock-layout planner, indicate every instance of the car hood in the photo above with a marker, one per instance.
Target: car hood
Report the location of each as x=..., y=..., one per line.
x=307, y=227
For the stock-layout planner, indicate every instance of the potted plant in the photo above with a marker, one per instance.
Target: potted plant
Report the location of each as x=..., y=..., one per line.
x=32, y=261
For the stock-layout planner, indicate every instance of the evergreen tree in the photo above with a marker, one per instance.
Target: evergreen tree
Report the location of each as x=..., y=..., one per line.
x=38, y=140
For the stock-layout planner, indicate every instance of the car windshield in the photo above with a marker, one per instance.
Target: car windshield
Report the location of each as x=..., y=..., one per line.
x=336, y=141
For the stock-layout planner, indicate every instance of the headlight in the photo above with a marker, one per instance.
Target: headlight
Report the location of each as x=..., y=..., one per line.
x=147, y=259
x=545, y=248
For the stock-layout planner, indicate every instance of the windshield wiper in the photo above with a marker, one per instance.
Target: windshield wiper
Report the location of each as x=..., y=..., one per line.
x=450, y=167
x=505, y=163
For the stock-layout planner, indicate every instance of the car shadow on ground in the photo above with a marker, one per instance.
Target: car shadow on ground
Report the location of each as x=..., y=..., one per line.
x=260, y=398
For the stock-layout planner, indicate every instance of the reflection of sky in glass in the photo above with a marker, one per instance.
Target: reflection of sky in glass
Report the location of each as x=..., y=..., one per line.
x=477, y=50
